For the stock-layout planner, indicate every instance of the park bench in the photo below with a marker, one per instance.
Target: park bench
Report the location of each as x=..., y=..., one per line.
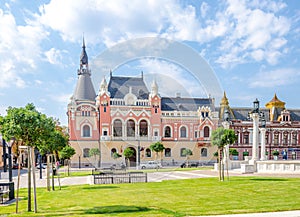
x=4, y=195
x=119, y=177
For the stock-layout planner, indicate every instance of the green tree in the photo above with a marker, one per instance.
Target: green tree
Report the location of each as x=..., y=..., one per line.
x=157, y=147
x=128, y=153
x=66, y=153
x=233, y=152
x=30, y=128
x=187, y=152
x=116, y=155
x=222, y=137
x=94, y=152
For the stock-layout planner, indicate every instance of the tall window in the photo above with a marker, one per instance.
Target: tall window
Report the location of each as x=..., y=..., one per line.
x=182, y=152
x=148, y=152
x=203, y=152
x=112, y=151
x=168, y=131
x=246, y=138
x=117, y=125
x=285, y=138
x=183, y=132
x=276, y=138
x=86, y=131
x=294, y=138
x=206, y=131
x=130, y=128
x=143, y=128
x=86, y=152
x=167, y=152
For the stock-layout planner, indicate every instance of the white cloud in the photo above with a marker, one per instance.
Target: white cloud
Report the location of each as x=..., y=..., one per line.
x=257, y=32
x=63, y=98
x=171, y=78
x=54, y=56
x=204, y=8
x=19, y=49
x=279, y=77
x=244, y=28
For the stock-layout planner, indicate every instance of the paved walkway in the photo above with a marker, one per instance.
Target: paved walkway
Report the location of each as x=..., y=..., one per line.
x=158, y=177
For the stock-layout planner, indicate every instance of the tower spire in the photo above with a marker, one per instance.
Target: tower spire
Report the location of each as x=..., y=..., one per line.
x=84, y=89
x=83, y=57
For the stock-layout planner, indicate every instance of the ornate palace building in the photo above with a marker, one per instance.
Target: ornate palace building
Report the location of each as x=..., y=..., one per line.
x=126, y=114
x=281, y=125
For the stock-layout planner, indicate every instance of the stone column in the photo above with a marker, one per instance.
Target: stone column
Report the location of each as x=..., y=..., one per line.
x=255, y=117
x=263, y=144
x=226, y=158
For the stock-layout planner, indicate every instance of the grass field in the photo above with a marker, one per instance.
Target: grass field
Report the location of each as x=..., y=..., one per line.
x=205, y=196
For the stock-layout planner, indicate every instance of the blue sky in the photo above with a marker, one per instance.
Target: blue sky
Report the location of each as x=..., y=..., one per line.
x=252, y=46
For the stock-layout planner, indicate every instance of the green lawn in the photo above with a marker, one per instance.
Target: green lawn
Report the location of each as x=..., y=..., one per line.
x=204, y=196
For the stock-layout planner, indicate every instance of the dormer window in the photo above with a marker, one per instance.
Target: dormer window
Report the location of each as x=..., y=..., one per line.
x=285, y=116
x=204, y=112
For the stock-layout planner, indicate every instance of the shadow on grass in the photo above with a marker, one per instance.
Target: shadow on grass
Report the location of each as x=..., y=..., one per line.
x=116, y=209
x=99, y=187
x=269, y=179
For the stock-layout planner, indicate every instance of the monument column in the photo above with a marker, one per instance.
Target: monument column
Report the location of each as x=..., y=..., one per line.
x=263, y=144
x=255, y=117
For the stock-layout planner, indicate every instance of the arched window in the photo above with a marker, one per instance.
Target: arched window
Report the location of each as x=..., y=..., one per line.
x=167, y=131
x=143, y=128
x=117, y=128
x=112, y=151
x=167, y=152
x=183, y=132
x=203, y=152
x=130, y=128
x=148, y=152
x=86, y=132
x=86, y=152
x=182, y=152
x=206, y=131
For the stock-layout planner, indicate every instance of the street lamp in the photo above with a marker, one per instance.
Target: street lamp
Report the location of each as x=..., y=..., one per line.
x=256, y=106
x=4, y=156
x=255, y=117
x=9, y=145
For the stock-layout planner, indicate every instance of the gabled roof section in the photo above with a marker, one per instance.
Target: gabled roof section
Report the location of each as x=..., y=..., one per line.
x=185, y=104
x=120, y=86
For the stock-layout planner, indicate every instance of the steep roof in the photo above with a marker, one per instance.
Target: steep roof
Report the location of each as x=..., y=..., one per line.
x=275, y=102
x=242, y=113
x=185, y=104
x=84, y=88
x=120, y=86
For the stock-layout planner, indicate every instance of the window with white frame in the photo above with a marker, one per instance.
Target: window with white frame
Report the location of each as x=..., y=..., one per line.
x=206, y=132
x=183, y=133
x=86, y=131
x=167, y=131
